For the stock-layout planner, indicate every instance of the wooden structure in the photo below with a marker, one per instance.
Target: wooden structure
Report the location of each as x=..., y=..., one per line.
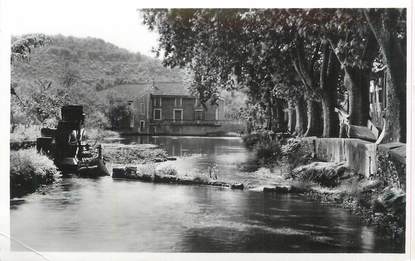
x=66, y=145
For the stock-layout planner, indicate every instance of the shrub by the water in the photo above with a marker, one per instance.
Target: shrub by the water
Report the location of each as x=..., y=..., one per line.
x=24, y=133
x=29, y=170
x=267, y=149
x=295, y=154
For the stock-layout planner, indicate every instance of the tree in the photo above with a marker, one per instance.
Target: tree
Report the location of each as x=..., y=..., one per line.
x=389, y=29
x=224, y=48
x=21, y=49
x=252, y=47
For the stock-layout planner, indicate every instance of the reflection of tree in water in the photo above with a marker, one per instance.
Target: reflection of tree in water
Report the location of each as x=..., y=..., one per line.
x=278, y=223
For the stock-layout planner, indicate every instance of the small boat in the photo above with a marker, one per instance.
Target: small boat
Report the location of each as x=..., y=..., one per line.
x=66, y=146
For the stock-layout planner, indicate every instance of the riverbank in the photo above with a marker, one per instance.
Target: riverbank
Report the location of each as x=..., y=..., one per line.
x=29, y=171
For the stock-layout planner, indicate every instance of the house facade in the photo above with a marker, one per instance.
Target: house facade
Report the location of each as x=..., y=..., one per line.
x=168, y=108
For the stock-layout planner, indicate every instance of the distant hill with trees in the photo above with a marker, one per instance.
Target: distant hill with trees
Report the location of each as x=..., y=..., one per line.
x=74, y=70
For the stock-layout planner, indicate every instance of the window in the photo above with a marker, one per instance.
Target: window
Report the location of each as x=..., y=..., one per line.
x=142, y=125
x=198, y=115
x=142, y=108
x=178, y=102
x=157, y=114
x=216, y=114
x=177, y=115
x=157, y=101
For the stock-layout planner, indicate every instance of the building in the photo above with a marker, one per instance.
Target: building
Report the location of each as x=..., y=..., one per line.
x=169, y=108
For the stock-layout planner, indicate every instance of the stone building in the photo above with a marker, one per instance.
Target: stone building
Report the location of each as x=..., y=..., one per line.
x=168, y=108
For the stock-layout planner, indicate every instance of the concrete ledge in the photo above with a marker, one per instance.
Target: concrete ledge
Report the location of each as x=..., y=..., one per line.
x=359, y=155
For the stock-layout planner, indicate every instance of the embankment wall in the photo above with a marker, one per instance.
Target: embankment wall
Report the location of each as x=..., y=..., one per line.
x=385, y=162
x=360, y=155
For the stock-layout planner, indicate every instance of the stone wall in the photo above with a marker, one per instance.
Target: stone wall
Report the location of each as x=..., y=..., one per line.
x=385, y=162
x=360, y=155
x=172, y=129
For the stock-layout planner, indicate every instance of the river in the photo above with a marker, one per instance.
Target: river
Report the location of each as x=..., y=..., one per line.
x=76, y=214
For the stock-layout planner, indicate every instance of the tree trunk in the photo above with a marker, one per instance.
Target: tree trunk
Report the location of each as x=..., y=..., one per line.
x=328, y=82
x=330, y=118
x=279, y=116
x=314, y=120
x=300, y=116
x=384, y=25
x=291, y=118
x=356, y=82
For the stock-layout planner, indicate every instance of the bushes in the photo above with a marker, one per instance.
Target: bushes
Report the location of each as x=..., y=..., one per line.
x=266, y=147
x=29, y=170
x=23, y=133
x=295, y=154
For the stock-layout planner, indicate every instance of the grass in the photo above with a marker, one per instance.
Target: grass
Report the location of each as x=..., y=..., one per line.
x=23, y=133
x=132, y=154
x=29, y=170
x=30, y=133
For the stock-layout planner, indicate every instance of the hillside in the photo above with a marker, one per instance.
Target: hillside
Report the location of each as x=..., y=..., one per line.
x=70, y=70
x=95, y=63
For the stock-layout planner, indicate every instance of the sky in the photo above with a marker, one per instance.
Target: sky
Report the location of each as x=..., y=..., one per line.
x=109, y=20
x=115, y=21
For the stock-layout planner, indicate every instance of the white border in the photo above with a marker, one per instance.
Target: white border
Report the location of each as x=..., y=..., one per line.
x=5, y=118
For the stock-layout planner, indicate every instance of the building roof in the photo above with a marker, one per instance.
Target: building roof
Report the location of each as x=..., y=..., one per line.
x=156, y=88
x=169, y=88
x=128, y=90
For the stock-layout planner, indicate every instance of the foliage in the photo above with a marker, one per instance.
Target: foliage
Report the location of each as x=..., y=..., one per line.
x=69, y=70
x=21, y=48
x=265, y=145
x=23, y=133
x=295, y=153
x=119, y=115
x=28, y=170
x=234, y=104
x=274, y=53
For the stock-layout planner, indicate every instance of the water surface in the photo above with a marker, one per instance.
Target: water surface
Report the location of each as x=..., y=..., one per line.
x=119, y=215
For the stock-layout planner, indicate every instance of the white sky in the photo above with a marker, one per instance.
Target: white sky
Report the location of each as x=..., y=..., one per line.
x=114, y=21
x=117, y=21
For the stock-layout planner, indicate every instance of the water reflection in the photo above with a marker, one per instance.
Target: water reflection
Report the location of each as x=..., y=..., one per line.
x=120, y=215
